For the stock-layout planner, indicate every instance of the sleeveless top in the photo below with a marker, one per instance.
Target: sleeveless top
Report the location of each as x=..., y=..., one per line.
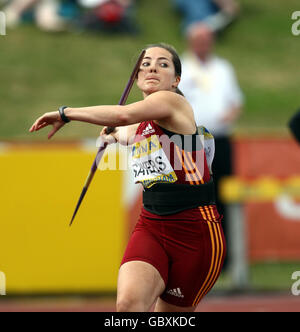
x=175, y=171
x=160, y=156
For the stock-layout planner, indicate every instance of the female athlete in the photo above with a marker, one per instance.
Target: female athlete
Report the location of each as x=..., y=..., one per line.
x=176, y=251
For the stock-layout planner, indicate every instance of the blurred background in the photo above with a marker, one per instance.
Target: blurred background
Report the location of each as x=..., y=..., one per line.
x=81, y=53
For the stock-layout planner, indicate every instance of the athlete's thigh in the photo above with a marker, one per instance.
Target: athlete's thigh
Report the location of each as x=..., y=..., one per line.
x=162, y=306
x=195, y=270
x=144, y=268
x=139, y=282
x=145, y=246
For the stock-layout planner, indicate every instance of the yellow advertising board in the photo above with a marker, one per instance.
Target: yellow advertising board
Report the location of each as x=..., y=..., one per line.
x=39, y=252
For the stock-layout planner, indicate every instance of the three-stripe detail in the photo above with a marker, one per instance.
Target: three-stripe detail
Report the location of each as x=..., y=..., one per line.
x=217, y=253
x=189, y=166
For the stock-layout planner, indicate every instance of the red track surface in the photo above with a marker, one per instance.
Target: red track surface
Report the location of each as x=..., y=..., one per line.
x=241, y=303
x=261, y=303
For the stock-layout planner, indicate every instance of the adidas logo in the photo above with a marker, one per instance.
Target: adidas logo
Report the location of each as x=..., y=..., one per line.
x=175, y=292
x=148, y=130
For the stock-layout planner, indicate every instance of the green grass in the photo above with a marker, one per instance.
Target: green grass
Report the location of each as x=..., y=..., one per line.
x=273, y=276
x=264, y=276
x=41, y=71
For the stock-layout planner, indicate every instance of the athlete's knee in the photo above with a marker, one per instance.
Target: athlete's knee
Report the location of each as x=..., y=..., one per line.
x=130, y=304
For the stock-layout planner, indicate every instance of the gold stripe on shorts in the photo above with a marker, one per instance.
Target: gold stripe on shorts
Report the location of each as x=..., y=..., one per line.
x=216, y=259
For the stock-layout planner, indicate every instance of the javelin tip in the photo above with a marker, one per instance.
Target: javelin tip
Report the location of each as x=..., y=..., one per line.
x=78, y=204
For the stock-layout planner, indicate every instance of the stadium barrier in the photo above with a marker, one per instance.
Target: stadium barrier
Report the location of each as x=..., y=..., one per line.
x=236, y=193
x=264, y=196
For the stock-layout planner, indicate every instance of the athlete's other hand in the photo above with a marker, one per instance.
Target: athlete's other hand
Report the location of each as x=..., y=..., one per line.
x=108, y=138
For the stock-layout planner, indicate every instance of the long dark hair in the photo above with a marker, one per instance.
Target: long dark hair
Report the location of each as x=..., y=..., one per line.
x=175, y=58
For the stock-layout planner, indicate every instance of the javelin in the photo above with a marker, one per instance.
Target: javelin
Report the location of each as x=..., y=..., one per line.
x=108, y=131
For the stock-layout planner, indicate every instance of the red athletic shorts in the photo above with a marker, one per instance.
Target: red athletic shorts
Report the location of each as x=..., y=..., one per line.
x=187, y=249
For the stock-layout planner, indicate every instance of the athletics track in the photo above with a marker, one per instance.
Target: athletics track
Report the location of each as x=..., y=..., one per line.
x=237, y=303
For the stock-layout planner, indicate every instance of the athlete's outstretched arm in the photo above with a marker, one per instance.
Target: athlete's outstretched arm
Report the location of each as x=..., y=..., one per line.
x=157, y=106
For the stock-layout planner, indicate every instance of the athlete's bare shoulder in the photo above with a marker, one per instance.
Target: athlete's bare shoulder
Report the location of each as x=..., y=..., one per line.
x=176, y=100
x=182, y=120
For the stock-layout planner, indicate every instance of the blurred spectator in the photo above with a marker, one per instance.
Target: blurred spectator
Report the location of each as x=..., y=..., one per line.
x=110, y=15
x=46, y=13
x=217, y=14
x=210, y=85
x=57, y=15
x=294, y=125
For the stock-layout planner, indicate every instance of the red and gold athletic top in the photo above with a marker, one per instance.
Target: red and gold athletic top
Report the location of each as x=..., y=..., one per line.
x=160, y=156
x=175, y=171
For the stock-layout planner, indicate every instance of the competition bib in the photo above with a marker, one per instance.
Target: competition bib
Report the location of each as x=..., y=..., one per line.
x=150, y=164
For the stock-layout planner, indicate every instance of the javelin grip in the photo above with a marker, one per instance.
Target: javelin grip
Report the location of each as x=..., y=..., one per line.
x=109, y=130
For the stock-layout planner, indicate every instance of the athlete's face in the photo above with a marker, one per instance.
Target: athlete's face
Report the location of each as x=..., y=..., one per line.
x=157, y=72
